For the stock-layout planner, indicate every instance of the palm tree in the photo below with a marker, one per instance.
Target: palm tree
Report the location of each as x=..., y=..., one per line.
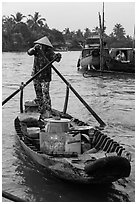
x=35, y=22
x=18, y=17
x=119, y=31
x=21, y=33
x=7, y=24
x=79, y=35
x=7, y=31
x=67, y=35
x=87, y=33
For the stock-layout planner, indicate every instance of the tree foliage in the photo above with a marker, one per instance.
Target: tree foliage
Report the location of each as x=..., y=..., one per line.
x=19, y=32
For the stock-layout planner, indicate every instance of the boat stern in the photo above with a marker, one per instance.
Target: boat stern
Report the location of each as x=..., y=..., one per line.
x=108, y=169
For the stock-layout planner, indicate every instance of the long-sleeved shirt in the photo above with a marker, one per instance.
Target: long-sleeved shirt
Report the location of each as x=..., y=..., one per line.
x=40, y=61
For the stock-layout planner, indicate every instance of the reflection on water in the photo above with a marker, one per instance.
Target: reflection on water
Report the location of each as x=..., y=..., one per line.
x=112, y=98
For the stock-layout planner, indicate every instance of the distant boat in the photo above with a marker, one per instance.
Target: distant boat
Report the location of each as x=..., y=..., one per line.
x=127, y=64
x=90, y=55
x=89, y=60
x=97, y=58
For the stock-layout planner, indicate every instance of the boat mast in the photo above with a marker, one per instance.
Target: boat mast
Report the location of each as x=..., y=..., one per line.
x=101, y=25
x=133, y=44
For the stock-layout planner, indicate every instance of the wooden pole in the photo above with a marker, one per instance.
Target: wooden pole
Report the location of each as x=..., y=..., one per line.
x=66, y=100
x=101, y=64
x=103, y=21
x=101, y=25
x=103, y=38
x=21, y=97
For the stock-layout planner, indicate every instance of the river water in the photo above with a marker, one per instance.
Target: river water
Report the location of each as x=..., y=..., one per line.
x=112, y=98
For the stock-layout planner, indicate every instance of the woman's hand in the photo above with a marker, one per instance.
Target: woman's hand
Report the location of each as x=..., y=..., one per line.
x=38, y=47
x=58, y=55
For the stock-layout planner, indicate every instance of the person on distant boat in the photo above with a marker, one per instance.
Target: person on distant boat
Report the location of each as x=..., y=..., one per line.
x=120, y=56
x=43, y=53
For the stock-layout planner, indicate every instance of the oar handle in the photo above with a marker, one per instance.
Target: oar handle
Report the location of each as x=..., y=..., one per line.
x=25, y=84
x=12, y=197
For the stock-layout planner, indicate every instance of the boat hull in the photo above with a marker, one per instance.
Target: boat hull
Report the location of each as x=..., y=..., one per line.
x=112, y=68
x=63, y=171
x=91, y=61
x=118, y=66
x=82, y=168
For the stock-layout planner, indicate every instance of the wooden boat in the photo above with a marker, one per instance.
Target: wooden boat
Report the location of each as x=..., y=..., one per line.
x=69, y=148
x=127, y=64
x=90, y=55
x=96, y=58
x=89, y=61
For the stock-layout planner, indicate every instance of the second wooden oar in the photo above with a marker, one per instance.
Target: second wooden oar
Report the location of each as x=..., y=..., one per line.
x=102, y=124
x=25, y=84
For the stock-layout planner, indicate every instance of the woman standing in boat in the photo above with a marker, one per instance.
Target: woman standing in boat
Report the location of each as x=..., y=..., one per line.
x=43, y=53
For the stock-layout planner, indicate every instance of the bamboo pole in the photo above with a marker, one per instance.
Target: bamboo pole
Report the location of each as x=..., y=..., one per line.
x=101, y=25
x=21, y=97
x=66, y=100
x=101, y=64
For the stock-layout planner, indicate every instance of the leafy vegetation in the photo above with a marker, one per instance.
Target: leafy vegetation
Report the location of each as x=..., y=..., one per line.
x=19, y=32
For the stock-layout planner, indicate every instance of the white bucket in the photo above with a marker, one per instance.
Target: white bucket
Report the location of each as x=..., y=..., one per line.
x=57, y=125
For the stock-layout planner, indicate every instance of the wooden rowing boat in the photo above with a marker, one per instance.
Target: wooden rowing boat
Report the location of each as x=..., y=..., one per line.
x=71, y=149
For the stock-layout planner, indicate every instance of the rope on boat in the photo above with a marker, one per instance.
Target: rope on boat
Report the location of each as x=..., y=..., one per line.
x=107, y=144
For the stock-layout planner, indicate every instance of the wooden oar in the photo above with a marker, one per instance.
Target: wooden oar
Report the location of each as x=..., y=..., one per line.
x=25, y=84
x=12, y=197
x=102, y=124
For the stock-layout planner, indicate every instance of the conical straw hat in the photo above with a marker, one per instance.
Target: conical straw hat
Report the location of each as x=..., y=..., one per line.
x=44, y=41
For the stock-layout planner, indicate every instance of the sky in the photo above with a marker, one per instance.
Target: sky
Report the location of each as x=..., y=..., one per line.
x=77, y=15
